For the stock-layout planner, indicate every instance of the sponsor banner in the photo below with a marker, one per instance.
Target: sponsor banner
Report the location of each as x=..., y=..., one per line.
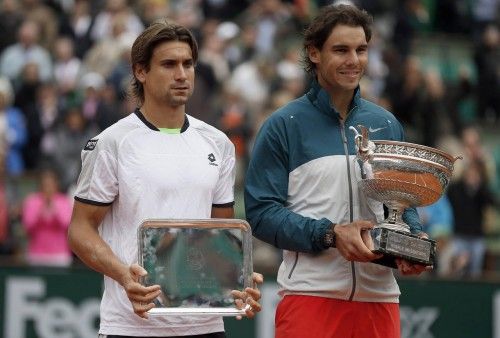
x=49, y=302
x=64, y=303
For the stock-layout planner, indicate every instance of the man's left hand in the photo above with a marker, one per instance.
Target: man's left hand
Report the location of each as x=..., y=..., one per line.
x=406, y=268
x=249, y=296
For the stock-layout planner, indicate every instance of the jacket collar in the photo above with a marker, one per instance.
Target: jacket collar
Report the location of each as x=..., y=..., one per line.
x=321, y=99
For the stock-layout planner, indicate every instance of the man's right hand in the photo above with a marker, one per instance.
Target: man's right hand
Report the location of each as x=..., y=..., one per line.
x=354, y=242
x=140, y=296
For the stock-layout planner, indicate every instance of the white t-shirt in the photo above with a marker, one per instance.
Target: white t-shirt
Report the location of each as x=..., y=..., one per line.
x=143, y=174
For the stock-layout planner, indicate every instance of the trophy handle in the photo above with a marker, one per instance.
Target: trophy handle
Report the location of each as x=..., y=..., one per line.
x=364, y=147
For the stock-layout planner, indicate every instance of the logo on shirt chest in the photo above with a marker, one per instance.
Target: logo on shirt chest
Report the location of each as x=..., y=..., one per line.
x=212, y=159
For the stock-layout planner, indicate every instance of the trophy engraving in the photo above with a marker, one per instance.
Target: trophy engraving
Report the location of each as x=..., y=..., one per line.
x=401, y=175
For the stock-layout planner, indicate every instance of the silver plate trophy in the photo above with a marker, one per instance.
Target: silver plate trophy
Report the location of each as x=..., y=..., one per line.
x=197, y=263
x=401, y=175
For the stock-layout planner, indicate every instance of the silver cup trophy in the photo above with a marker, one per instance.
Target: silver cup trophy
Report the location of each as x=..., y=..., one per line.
x=401, y=175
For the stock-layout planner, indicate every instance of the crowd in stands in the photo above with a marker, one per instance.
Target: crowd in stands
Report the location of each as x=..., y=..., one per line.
x=64, y=76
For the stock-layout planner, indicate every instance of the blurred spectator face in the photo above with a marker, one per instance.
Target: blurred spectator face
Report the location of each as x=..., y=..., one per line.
x=154, y=9
x=472, y=176
x=270, y=6
x=108, y=94
x=248, y=35
x=63, y=49
x=115, y=6
x=413, y=73
x=434, y=84
x=3, y=102
x=28, y=33
x=472, y=144
x=342, y=60
x=491, y=36
x=6, y=93
x=47, y=94
x=49, y=183
x=7, y=6
x=81, y=8
x=214, y=43
x=74, y=119
x=470, y=137
x=31, y=73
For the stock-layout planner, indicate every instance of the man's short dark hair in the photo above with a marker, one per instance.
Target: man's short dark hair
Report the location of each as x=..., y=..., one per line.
x=322, y=25
x=142, y=50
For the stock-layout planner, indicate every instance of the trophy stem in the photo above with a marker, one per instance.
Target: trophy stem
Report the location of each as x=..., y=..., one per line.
x=394, y=220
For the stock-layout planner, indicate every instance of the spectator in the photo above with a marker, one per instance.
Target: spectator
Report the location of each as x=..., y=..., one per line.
x=91, y=85
x=486, y=58
x=470, y=196
x=26, y=50
x=47, y=114
x=270, y=18
x=5, y=243
x=411, y=16
x=407, y=98
x=11, y=19
x=105, y=54
x=66, y=65
x=45, y=18
x=474, y=150
x=46, y=215
x=78, y=26
x=437, y=221
x=109, y=108
x=12, y=130
x=68, y=138
x=104, y=21
x=251, y=80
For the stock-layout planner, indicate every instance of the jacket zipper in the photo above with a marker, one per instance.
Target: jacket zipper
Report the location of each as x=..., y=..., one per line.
x=294, y=265
x=351, y=207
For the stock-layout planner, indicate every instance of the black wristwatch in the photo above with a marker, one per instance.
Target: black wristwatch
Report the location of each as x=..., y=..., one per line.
x=329, y=238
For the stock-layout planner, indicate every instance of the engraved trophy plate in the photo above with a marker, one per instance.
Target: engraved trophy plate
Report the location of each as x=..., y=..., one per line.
x=393, y=243
x=197, y=263
x=401, y=175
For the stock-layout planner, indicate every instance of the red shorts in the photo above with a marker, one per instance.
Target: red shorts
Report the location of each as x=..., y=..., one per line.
x=319, y=317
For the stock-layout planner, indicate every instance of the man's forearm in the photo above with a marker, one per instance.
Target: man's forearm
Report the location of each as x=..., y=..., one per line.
x=96, y=254
x=290, y=231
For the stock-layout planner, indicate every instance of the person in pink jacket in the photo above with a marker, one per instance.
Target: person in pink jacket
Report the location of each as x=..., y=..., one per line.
x=46, y=215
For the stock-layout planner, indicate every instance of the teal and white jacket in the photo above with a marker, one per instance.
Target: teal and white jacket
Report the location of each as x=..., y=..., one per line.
x=301, y=178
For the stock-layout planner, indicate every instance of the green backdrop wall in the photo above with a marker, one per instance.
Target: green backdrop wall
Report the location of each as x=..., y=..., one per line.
x=64, y=303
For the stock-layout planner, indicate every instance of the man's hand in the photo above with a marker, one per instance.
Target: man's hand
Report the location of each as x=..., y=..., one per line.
x=249, y=296
x=354, y=242
x=406, y=268
x=140, y=296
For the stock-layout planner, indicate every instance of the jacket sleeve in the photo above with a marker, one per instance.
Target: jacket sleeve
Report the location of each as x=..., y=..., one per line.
x=266, y=190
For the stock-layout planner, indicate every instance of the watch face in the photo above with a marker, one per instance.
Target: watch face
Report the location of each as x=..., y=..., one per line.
x=330, y=238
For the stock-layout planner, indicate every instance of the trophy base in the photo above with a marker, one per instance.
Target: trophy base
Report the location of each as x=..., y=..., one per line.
x=393, y=244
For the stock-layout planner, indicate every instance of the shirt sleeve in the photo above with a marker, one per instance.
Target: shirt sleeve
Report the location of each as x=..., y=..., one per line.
x=224, y=191
x=266, y=190
x=98, y=182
